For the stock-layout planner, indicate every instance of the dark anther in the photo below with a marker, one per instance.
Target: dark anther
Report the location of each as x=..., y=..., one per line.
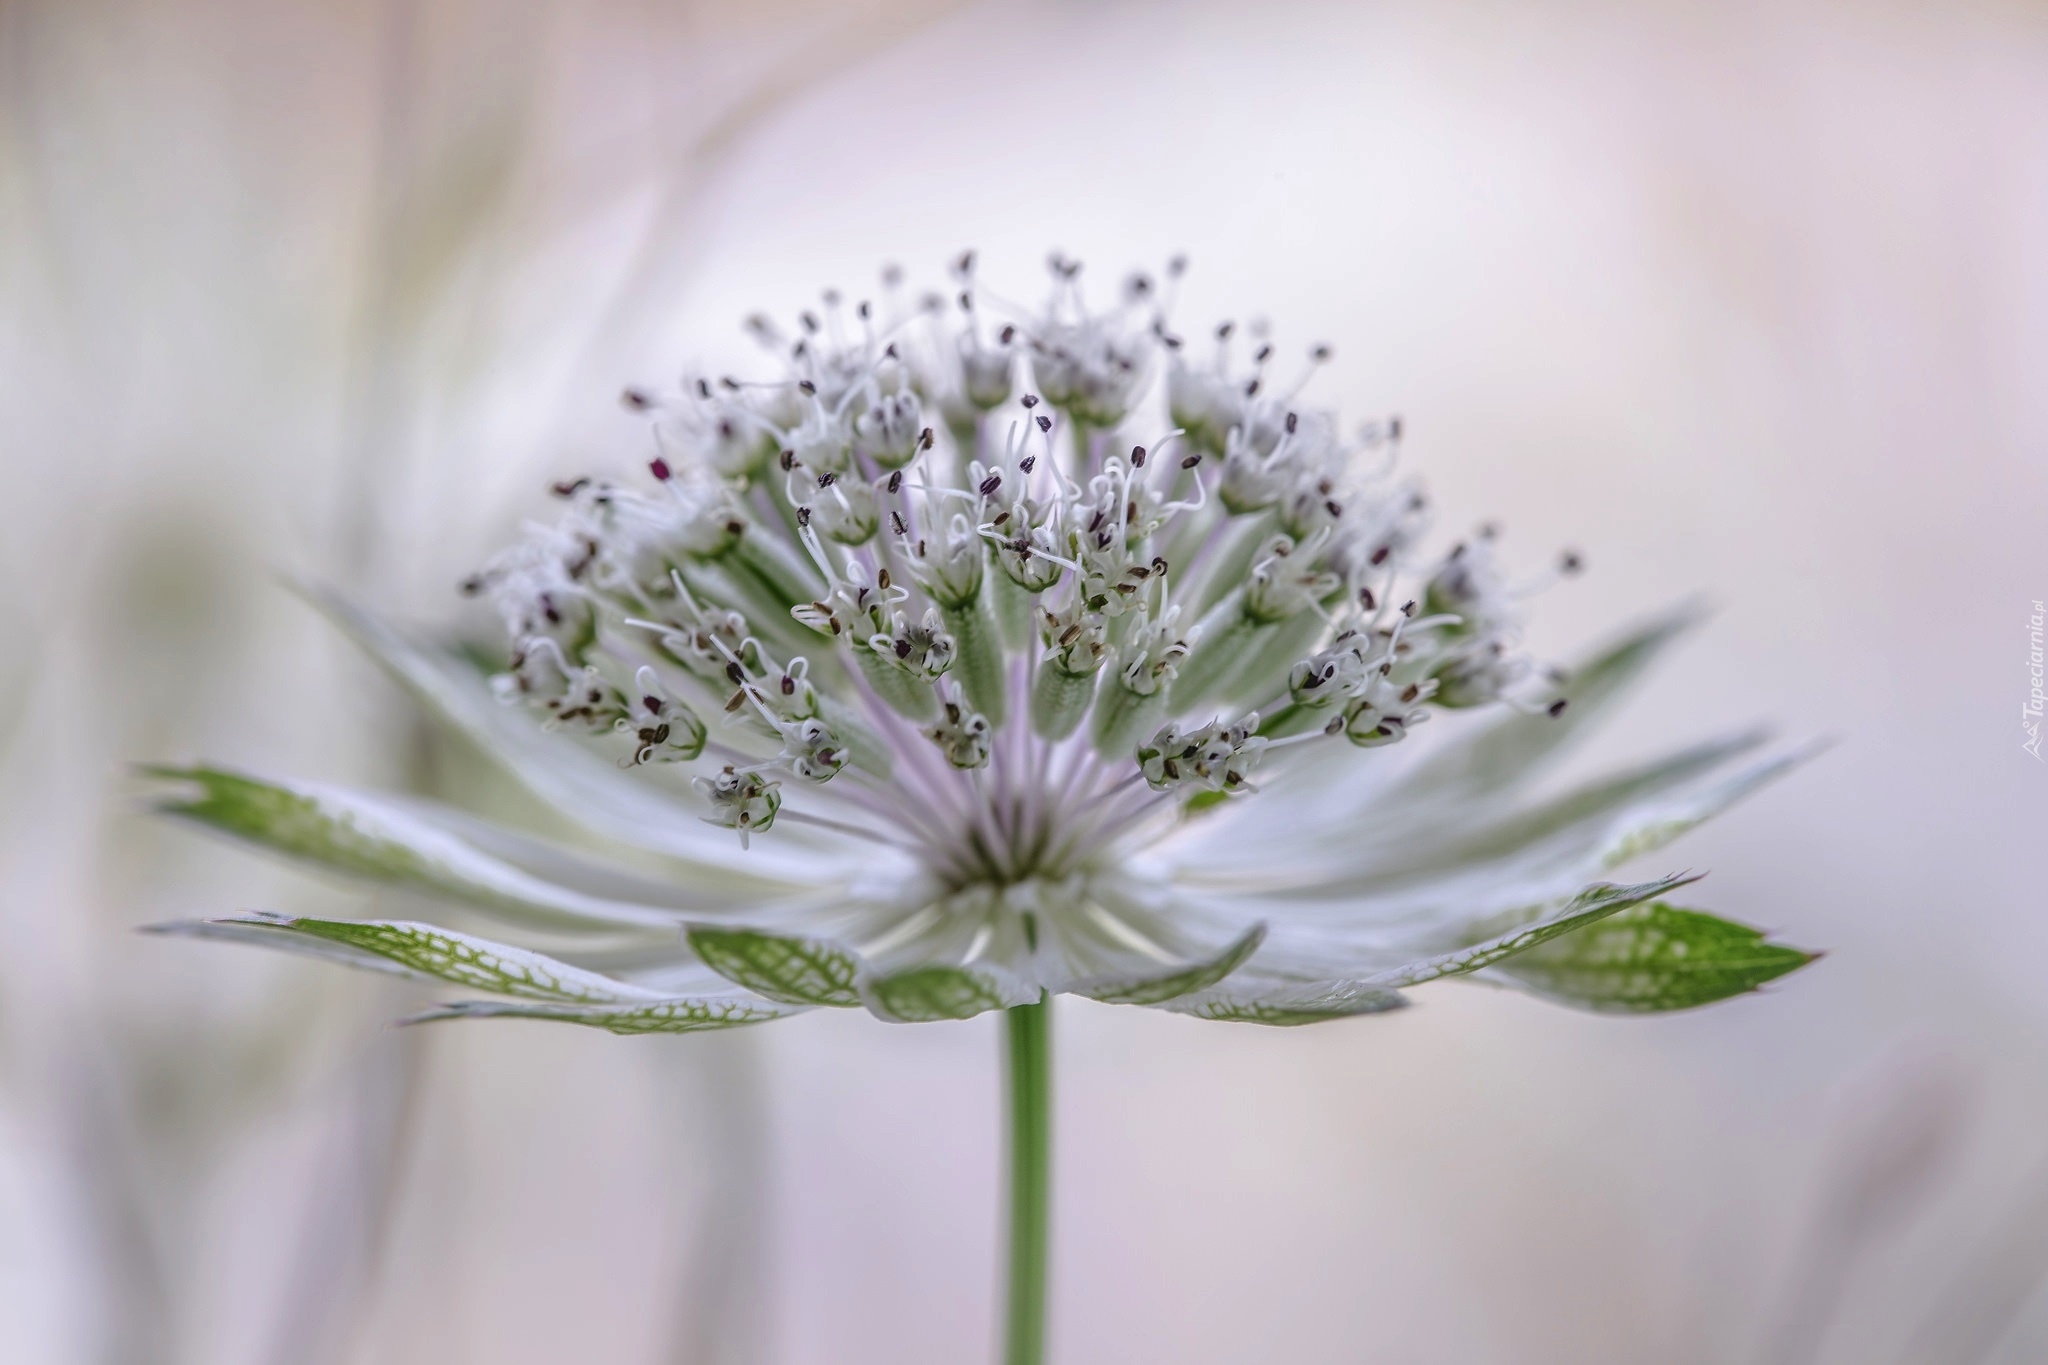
x=1319, y=353
x=736, y=673
x=1028, y=463
x=1367, y=600
x=882, y=580
x=1556, y=708
x=472, y=585
x=803, y=516
x=990, y=484
x=1044, y=422
x=809, y=320
x=1190, y=462
x=1029, y=400
x=703, y=389
x=827, y=479
x=895, y=480
x=903, y=649
x=807, y=386
x=1223, y=332
x=1408, y=607
x=1137, y=457
x=924, y=438
x=1007, y=335
x=636, y=400
x=1263, y=354
x=787, y=460
x=1571, y=563
x=788, y=685
x=897, y=524
x=1334, y=508
x=1293, y=420
x=658, y=467
x=569, y=488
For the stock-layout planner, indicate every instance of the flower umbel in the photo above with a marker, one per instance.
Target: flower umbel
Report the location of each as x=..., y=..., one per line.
x=965, y=663
x=1002, y=658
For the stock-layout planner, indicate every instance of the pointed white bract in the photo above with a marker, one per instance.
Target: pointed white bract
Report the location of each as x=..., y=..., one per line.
x=1003, y=652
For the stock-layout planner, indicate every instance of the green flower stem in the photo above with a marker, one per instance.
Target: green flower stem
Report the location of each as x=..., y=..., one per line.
x=1123, y=717
x=1013, y=609
x=1060, y=700
x=1218, y=648
x=1030, y=1067
x=979, y=663
x=907, y=696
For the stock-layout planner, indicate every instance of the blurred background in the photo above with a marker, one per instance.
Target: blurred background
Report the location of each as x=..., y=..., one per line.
x=1743, y=298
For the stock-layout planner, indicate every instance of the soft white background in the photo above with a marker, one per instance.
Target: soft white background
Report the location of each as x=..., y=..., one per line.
x=1744, y=299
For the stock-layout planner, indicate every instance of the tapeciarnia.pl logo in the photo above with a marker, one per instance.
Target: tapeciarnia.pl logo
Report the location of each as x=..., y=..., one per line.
x=2030, y=714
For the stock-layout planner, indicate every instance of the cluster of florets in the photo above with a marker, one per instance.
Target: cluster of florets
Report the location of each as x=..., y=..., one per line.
x=940, y=542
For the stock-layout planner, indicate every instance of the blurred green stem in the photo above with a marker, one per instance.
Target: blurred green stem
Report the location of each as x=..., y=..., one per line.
x=1030, y=1068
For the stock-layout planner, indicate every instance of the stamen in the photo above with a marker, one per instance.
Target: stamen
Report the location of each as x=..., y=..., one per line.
x=1016, y=563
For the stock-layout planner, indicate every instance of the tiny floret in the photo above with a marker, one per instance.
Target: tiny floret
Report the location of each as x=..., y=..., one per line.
x=1211, y=758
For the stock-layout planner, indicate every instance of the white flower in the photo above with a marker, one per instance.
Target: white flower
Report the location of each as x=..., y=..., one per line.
x=1041, y=694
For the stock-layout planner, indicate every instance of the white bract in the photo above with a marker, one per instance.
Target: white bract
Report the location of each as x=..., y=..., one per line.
x=966, y=660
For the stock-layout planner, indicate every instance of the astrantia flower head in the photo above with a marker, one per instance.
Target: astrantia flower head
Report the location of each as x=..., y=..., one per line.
x=972, y=654
x=968, y=653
